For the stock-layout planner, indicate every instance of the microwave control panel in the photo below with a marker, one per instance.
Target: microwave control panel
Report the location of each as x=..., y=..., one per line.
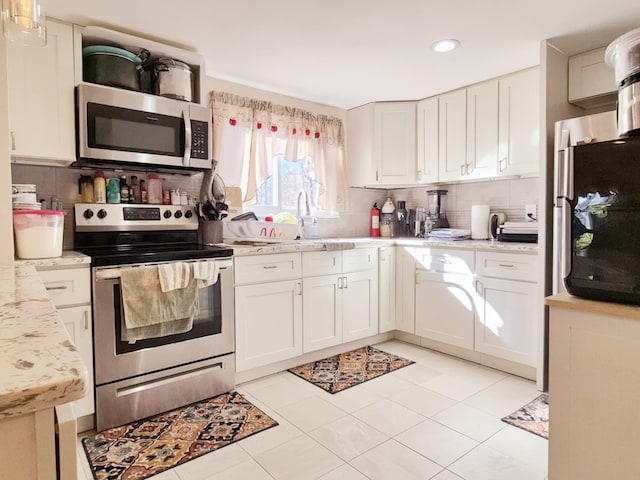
x=199, y=139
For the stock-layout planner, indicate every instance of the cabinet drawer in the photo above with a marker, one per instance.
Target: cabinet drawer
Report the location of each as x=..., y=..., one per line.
x=267, y=268
x=512, y=266
x=321, y=263
x=359, y=259
x=70, y=286
x=445, y=261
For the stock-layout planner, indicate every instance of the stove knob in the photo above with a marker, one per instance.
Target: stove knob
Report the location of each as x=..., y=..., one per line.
x=102, y=213
x=167, y=214
x=178, y=214
x=188, y=214
x=87, y=214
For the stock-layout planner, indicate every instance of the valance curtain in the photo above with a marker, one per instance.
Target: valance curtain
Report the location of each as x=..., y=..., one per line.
x=248, y=133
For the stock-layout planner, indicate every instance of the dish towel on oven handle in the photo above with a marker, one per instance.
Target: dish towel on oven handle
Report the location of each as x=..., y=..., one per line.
x=174, y=275
x=148, y=311
x=205, y=273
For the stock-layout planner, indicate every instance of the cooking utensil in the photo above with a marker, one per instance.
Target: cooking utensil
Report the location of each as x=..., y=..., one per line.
x=218, y=189
x=210, y=211
x=172, y=78
x=113, y=66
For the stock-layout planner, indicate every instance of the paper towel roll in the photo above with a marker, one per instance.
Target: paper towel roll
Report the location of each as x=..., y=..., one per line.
x=480, y=222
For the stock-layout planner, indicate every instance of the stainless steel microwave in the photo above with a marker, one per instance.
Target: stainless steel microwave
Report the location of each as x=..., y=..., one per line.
x=118, y=128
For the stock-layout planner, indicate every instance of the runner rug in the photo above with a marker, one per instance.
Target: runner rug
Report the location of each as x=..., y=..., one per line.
x=533, y=417
x=150, y=446
x=346, y=370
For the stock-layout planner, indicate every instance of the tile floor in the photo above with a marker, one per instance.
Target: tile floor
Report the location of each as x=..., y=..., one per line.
x=437, y=419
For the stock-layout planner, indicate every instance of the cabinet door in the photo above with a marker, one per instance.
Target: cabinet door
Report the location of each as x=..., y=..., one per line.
x=452, y=134
x=360, y=146
x=592, y=82
x=427, y=141
x=519, y=123
x=445, y=309
x=386, y=289
x=268, y=323
x=482, y=131
x=359, y=305
x=394, y=143
x=506, y=320
x=405, y=289
x=77, y=321
x=41, y=99
x=321, y=312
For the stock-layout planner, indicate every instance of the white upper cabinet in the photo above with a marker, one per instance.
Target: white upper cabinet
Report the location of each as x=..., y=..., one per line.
x=519, y=123
x=41, y=99
x=482, y=131
x=427, y=141
x=592, y=82
x=452, y=133
x=381, y=144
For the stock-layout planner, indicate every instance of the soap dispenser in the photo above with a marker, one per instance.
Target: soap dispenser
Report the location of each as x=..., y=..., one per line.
x=313, y=228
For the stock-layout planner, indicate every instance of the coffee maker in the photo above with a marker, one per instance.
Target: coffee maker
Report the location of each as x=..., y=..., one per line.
x=436, y=211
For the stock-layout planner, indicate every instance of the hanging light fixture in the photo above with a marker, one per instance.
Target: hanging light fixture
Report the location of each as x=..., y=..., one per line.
x=24, y=21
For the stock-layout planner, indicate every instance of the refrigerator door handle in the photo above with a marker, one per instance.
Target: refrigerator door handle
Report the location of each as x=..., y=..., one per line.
x=566, y=189
x=566, y=244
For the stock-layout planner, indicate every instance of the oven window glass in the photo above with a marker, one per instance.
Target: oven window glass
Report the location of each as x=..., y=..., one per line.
x=207, y=322
x=128, y=130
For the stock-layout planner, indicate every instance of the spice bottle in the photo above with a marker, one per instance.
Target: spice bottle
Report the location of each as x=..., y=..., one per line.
x=134, y=190
x=124, y=190
x=144, y=198
x=100, y=188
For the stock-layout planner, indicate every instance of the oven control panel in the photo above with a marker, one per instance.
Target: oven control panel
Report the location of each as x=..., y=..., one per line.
x=121, y=216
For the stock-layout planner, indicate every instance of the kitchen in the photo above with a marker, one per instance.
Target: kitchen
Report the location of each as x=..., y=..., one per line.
x=508, y=195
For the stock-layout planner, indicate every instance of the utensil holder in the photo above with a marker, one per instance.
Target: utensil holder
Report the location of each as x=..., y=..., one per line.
x=210, y=233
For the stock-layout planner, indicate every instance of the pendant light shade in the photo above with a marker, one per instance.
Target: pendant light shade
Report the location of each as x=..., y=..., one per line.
x=23, y=21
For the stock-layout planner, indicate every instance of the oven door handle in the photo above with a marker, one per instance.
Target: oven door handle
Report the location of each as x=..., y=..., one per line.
x=115, y=272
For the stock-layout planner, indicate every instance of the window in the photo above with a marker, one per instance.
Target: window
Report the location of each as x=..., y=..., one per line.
x=280, y=190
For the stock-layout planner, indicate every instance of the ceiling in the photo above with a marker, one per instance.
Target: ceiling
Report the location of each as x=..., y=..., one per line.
x=346, y=53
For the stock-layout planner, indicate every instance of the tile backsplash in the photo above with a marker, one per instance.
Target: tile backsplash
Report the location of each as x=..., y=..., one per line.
x=508, y=196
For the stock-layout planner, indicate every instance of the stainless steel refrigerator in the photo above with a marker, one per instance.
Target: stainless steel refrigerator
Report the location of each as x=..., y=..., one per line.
x=597, y=210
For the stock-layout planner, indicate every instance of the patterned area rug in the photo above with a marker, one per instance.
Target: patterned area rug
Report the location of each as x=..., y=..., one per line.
x=346, y=370
x=533, y=417
x=147, y=447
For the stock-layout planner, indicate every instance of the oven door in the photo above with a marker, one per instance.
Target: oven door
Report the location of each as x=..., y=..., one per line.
x=119, y=126
x=212, y=334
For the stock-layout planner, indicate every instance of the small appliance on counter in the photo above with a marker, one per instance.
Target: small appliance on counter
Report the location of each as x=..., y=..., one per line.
x=525, y=232
x=436, y=211
x=496, y=219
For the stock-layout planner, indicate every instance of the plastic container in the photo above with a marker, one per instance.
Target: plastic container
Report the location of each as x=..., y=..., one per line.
x=623, y=54
x=38, y=233
x=100, y=188
x=113, y=190
x=154, y=190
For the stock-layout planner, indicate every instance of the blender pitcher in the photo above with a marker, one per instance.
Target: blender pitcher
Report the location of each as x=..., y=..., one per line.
x=436, y=211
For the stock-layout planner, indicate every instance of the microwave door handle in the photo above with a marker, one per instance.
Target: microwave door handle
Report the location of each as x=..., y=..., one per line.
x=187, y=139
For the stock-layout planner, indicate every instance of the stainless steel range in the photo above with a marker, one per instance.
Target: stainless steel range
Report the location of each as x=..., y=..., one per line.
x=139, y=377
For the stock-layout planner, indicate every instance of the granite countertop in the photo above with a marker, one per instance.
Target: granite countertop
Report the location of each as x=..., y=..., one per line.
x=571, y=302
x=347, y=243
x=68, y=258
x=39, y=366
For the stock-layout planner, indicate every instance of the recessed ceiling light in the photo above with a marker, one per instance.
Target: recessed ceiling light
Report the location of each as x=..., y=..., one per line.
x=442, y=46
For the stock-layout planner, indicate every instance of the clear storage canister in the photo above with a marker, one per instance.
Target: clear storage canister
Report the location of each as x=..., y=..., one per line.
x=154, y=190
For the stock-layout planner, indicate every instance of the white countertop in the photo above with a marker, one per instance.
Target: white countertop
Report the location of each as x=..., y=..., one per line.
x=39, y=366
x=69, y=257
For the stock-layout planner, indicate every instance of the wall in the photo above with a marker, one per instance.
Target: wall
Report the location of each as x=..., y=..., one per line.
x=6, y=219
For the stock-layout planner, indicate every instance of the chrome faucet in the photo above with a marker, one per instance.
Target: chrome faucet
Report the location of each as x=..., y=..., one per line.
x=307, y=211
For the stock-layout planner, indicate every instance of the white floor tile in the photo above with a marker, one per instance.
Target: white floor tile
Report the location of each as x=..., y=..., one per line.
x=203, y=467
x=387, y=385
x=271, y=438
x=465, y=381
x=505, y=396
x=524, y=446
x=259, y=383
x=416, y=373
x=423, y=401
x=348, y=437
x=345, y=472
x=470, y=421
x=284, y=393
x=170, y=474
x=439, y=361
x=391, y=461
x=310, y=413
x=353, y=398
x=243, y=471
x=402, y=349
x=436, y=442
x=447, y=475
x=299, y=459
x=389, y=417
x=484, y=463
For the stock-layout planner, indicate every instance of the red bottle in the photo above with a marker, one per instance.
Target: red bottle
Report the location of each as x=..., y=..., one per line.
x=375, y=221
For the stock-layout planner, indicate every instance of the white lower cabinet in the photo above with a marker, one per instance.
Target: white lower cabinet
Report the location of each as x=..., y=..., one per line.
x=405, y=289
x=507, y=310
x=359, y=305
x=268, y=323
x=386, y=289
x=322, y=312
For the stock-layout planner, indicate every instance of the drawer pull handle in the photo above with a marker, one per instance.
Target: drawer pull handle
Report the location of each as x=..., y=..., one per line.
x=86, y=320
x=346, y=282
x=445, y=261
x=62, y=287
x=506, y=265
x=270, y=267
x=13, y=140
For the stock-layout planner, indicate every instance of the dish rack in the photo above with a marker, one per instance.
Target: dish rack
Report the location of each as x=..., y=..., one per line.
x=256, y=230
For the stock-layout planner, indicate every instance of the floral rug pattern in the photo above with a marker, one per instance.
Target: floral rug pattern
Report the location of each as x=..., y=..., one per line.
x=150, y=446
x=346, y=370
x=533, y=417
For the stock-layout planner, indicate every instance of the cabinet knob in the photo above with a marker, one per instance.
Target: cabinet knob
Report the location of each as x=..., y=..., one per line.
x=502, y=164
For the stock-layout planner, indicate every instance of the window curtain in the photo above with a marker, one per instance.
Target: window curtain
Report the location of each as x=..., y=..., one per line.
x=247, y=133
